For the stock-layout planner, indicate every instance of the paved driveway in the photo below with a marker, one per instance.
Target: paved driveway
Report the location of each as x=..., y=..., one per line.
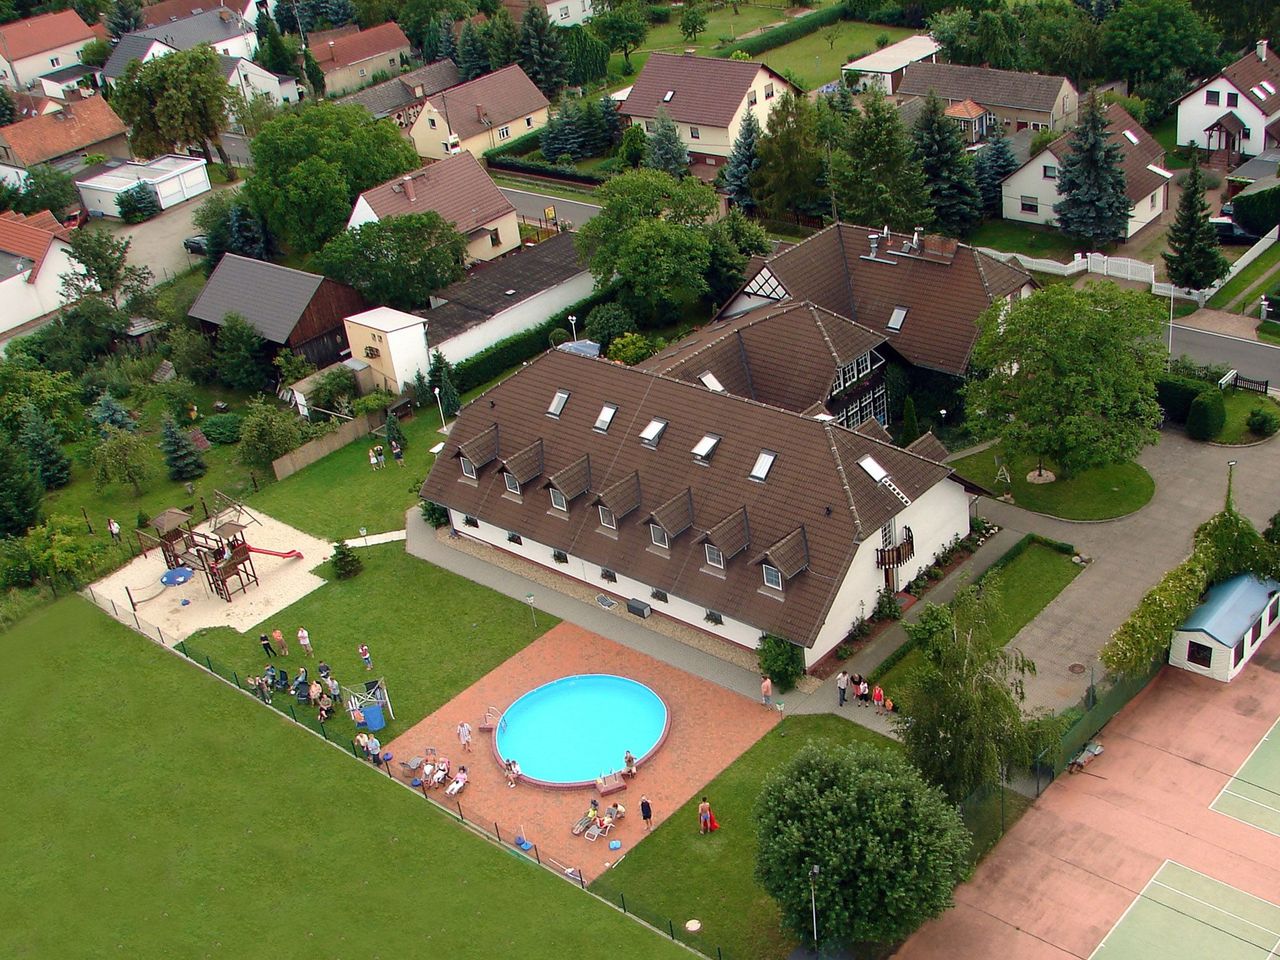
x=157, y=243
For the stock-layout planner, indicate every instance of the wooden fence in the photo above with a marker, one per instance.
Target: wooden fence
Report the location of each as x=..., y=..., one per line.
x=321, y=447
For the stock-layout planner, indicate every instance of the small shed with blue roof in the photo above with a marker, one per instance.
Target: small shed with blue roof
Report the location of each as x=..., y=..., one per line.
x=1223, y=633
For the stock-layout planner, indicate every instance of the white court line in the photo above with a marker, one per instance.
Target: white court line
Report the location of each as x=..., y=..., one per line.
x=1236, y=775
x=1214, y=907
x=1266, y=806
x=1247, y=823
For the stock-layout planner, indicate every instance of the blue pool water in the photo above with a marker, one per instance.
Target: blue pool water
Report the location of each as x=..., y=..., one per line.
x=577, y=728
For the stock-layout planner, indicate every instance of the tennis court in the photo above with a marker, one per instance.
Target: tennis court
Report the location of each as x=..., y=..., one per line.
x=1182, y=914
x=1253, y=794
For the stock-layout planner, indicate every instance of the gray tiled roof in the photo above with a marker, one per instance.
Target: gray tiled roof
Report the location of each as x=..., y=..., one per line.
x=130, y=47
x=272, y=298
x=991, y=88
x=383, y=99
x=212, y=26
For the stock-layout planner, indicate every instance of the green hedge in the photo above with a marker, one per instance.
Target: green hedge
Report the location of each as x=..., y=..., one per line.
x=794, y=30
x=496, y=360
x=1207, y=416
x=543, y=169
x=525, y=143
x=1258, y=212
x=657, y=13
x=1175, y=396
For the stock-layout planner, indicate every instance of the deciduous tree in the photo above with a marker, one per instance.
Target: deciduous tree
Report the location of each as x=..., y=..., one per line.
x=267, y=433
x=693, y=21
x=790, y=175
x=103, y=270
x=1094, y=208
x=1194, y=258
x=47, y=188
x=733, y=238
x=400, y=261
x=121, y=457
x=1151, y=41
x=623, y=28
x=8, y=112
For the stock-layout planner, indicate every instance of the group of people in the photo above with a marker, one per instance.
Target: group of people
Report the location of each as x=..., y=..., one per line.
x=857, y=687
x=436, y=770
x=378, y=455
x=275, y=645
x=321, y=692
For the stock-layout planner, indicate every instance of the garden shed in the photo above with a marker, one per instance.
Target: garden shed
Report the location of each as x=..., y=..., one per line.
x=1224, y=632
x=170, y=178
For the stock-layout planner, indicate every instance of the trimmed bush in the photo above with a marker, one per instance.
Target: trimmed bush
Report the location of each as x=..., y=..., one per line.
x=794, y=30
x=544, y=169
x=1258, y=212
x=1208, y=415
x=137, y=204
x=1175, y=396
x=345, y=562
x=222, y=427
x=1263, y=422
x=434, y=514
x=781, y=661
x=657, y=13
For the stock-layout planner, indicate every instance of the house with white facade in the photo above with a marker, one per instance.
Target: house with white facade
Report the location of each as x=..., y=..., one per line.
x=1225, y=630
x=34, y=253
x=131, y=47
x=1030, y=192
x=253, y=80
x=707, y=98
x=1237, y=111
x=731, y=516
x=222, y=28
x=479, y=115
x=563, y=13
x=883, y=68
x=38, y=45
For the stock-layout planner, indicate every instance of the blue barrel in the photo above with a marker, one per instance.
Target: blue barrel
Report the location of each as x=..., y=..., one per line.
x=373, y=716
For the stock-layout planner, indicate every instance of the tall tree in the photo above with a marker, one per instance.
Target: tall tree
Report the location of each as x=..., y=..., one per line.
x=1194, y=259
x=440, y=379
x=271, y=49
x=742, y=163
x=633, y=147
x=542, y=54
x=502, y=38
x=948, y=171
x=240, y=354
x=8, y=112
x=20, y=491
x=180, y=453
x=47, y=188
x=789, y=178
x=121, y=457
x=623, y=28
x=586, y=55
x=40, y=442
x=473, y=55
x=1093, y=209
x=1152, y=41
x=312, y=73
x=1070, y=375
x=693, y=21
x=125, y=17
x=733, y=238
x=103, y=269
x=876, y=176
x=995, y=162
x=400, y=261
x=666, y=151
x=853, y=836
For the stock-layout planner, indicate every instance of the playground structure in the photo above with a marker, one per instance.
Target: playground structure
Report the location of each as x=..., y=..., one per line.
x=222, y=555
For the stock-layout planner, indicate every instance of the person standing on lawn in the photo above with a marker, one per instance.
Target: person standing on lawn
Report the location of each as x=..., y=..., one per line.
x=304, y=641
x=704, y=816
x=266, y=645
x=366, y=656
x=277, y=636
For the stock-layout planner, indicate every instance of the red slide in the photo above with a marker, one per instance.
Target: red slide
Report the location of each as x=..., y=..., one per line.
x=290, y=555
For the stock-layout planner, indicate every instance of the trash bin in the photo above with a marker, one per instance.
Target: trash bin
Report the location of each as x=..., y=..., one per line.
x=373, y=717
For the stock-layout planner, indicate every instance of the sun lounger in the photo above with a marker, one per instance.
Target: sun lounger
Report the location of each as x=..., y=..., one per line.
x=582, y=824
x=596, y=831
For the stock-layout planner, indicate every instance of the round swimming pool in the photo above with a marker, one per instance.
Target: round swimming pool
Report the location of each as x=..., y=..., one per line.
x=570, y=731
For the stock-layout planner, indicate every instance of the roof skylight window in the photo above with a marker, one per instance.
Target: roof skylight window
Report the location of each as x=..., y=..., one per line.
x=651, y=434
x=711, y=382
x=764, y=463
x=557, y=403
x=705, y=447
x=899, y=315
x=605, y=418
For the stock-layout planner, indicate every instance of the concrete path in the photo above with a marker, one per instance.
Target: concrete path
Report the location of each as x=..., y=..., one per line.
x=373, y=539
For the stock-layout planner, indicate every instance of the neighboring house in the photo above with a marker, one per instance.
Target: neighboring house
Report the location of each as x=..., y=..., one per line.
x=222, y=28
x=170, y=178
x=564, y=13
x=68, y=83
x=1265, y=164
x=884, y=68
x=289, y=308
x=158, y=14
x=1236, y=112
x=479, y=115
x=402, y=97
x=353, y=60
x=1030, y=192
x=460, y=191
x=252, y=80
x=33, y=47
x=131, y=47
x=1018, y=100
x=62, y=138
x=923, y=293
x=1225, y=631
x=34, y=253
x=733, y=517
x=973, y=119
x=708, y=98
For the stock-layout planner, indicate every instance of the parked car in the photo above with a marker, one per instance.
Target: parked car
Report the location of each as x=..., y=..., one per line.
x=1228, y=209
x=199, y=244
x=1231, y=232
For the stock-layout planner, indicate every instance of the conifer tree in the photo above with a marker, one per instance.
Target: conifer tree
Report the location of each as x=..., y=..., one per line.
x=948, y=172
x=542, y=53
x=125, y=17
x=1194, y=259
x=910, y=425
x=272, y=53
x=666, y=151
x=440, y=377
x=1093, y=209
x=789, y=177
x=448, y=43
x=876, y=176
x=610, y=122
x=246, y=235
x=743, y=162
x=39, y=441
x=994, y=163
x=396, y=432
x=502, y=38
x=20, y=491
x=8, y=111
x=180, y=453
x=109, y=412
x=473, y=55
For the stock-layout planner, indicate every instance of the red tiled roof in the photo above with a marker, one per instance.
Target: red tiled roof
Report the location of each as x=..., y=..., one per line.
x=30, y=237
x=320, y=38
x=457, y=188
x=25, y=38
x=965, y=110
x=76, y=126
x=1248, y=74
x=489, y=101
x=357, y=47
x=158, y=14
x=706, y=90
x=1140, y=181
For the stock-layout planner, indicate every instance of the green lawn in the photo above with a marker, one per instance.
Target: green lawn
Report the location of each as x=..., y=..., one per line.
x=816, y=62
x=160, y=814
x=1030, y=581
x=1008, y=236
x=1098, y=494
x=678, y=873
x=1166, y=134
x=1269, y=332
x=1254, y=275
x=722, y=26
x=1240, y=403
x=431, y=634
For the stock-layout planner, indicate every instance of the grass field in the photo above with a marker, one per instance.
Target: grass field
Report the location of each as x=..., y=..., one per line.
x=815, y=61
x=431, y=634
x=1029, y=582
x=723, y=25
x=1269, y=332
x=1254, y=275
x=1166, y=134
x=1098, y=494
x=1008, y=236
x=160, y=814
x=1240, y=403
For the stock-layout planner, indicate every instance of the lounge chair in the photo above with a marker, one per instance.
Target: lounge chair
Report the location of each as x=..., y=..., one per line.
x=596, y=831
x=585, y=821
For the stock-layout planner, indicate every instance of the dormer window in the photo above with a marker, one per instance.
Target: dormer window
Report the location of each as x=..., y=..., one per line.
x=468, y=468
x=558, y=501
x=651, y=434
x=513, y=485
x=557, y=403
x=705, y=448
x=658, y=536
x=772, y=577
x=714, y=557
x=607, y=519
x=605, y=418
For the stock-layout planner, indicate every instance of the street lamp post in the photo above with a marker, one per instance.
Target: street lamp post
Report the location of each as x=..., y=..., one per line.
x=533, y=613
x=440, y=406
x=573, y=322
x=813, y=903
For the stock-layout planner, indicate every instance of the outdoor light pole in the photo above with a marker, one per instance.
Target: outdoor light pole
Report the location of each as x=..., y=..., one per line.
x=533, y=613
x=813, y=903
x=573, y=322
x=1231, y=468
x=440, y=405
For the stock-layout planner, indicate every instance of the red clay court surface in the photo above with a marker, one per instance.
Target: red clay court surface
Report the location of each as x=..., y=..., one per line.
x=1058, y=882
x=710, y=727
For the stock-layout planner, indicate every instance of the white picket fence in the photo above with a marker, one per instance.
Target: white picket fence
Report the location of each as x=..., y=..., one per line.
x=1126, y=268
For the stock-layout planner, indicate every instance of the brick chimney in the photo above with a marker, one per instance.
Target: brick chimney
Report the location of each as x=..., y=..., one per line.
x=409, y=190
x=1262, y=50
x=935, y=247
x=479, y=113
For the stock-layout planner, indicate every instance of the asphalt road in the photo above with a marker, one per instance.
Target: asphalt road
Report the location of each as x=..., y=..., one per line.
x=529, y=204
x=1252, y=359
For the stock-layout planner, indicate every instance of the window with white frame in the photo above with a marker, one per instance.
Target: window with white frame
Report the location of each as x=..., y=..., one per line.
x=513, y=485
x=431, y=122
x=557, y=500
x=1153, y=201
x=362, y=71
x=652, y=433
x=864, y=365
x=658, y=536
x=608, y=575
x=714, y=557
x=468, y=468
x=772, y=577
x=564, y=12
x=768, y=91
x=1050, y=171
x=751, y=98
x=55, y=61
x=607, y=519
x=695, y=133
x=1030, y=205
x=470, y=521
x=504, y=133
x=528, y=121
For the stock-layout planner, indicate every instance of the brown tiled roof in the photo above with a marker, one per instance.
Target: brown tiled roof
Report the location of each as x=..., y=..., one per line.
x=75, y=127
x=1136, y=158
x=526, y=463
x=575, y=479
x=482, y=448
x=1249, y=72
x=489, y=101
x=815, y=484
x=676, y=515
x=753, y=354
x=944, y=293
x=1229, y=122
x=321, y=38
x=457, y=188
x=383, y=99
x=875, y=430
x=927, y=445
x=25, y=38
x=991, y=88
x=707, y=90
x=357, y=47
x=30, y=237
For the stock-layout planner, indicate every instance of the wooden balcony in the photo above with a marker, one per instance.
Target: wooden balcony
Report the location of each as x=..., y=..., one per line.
x=890, y=558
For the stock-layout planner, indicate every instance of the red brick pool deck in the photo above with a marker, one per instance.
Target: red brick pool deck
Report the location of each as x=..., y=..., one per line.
x=710, y=727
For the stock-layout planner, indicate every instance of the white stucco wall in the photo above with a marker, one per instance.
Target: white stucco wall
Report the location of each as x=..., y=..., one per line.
x=568, y=13
x=21, y=302
x=1194, y=115
x=1220, y=667
x=29, y=68
x=361, y=214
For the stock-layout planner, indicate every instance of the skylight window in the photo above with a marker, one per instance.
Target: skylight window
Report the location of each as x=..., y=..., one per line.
x=710, y=381
x=1268, y=86
x=557, y=403
x=873, y=468
x=1258, y=92
x=1130, y=136
x=651, y=434
x=705, y=447
x=605, y=418
x=899, y=315
x=666, y=97
x=764, y=463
